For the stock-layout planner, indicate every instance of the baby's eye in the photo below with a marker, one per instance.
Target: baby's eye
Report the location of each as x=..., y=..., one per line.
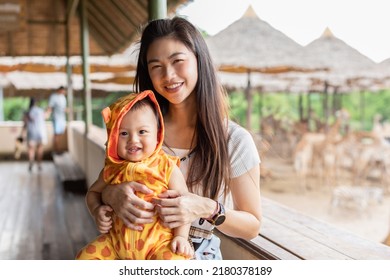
x=143, y=131
x=123, y=133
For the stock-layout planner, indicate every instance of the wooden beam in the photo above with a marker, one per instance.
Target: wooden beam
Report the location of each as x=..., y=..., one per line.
x=133, y=21
x=106, y=30
x=105, y=20
x=46, y=21
x=105, y=44
x=71, y=9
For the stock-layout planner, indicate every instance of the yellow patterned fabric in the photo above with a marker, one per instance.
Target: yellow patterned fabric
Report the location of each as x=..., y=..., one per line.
x=153, y=242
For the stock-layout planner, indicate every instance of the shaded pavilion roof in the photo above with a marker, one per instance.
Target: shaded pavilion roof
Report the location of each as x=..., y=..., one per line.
x=330, y=51
x=38, y=27
x=348, y=69
x=344, y=61
x=41, y=85
x=384, y=68
x=251, y=44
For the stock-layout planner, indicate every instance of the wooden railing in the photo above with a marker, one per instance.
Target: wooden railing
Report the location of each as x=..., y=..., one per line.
x=288, y=234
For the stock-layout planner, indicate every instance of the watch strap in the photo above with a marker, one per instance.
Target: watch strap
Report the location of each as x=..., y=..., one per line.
x=216, y=210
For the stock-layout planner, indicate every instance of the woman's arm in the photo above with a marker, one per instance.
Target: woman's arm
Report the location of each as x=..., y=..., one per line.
x=244, y=220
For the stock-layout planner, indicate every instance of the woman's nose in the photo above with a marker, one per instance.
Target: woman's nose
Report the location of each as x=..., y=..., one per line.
x=169, y=72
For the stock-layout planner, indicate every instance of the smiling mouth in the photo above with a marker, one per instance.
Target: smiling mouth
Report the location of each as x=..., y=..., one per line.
x=174, y=86
x=133, y=149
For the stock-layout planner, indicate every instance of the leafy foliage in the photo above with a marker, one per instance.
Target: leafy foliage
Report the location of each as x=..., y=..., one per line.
x=362, y=106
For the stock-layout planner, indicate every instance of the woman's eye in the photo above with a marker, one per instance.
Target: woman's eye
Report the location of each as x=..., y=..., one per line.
x=155, y=66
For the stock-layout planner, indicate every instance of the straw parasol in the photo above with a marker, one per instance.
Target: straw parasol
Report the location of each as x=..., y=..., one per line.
x=251, y=45
x=347, y=66
x=343, y=61
x=381, y=76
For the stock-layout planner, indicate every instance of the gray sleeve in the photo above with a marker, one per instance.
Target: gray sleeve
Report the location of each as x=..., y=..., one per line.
x=242, y=150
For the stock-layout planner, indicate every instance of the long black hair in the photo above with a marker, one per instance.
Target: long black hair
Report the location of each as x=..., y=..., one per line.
x=210, y=164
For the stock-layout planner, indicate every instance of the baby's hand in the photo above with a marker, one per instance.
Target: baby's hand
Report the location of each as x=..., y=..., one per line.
x=181, y=246
x=103, y=218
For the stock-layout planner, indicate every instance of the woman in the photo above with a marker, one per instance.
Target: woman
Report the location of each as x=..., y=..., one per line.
x=218, y=158
x=34, y=123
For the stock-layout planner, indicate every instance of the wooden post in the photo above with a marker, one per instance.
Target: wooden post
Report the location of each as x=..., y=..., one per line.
x=157, y=9
x=249, y=99
x=85, y=58
x=69, y=86
x=70, y=12
x=362, y=108
x=300, y=106
x=1, y=104
x=326, y=107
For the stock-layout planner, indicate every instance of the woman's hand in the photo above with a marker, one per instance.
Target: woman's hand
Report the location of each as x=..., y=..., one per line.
x=176, y=209
x=133, y=210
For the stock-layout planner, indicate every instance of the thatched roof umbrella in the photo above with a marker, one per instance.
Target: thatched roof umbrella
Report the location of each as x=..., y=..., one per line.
x=386, y=63
x=252, y=45
x=259, y=81
x=382, y=75
x=346, y=65
x=343, y=61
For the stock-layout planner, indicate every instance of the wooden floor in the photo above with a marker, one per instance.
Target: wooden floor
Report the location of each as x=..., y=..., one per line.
x=38, y=219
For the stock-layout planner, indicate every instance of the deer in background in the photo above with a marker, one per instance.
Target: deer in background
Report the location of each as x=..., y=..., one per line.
x=315, y=153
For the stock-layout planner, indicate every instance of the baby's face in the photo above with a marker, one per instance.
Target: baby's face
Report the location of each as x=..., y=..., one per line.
x=138, y=134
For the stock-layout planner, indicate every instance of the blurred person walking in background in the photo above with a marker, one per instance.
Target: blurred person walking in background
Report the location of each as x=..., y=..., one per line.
x=35, y=126
x=57, y=108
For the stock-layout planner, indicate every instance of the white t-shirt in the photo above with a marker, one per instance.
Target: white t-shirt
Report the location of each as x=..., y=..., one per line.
x=243, y=156
x=57, y=102
x=36, y=126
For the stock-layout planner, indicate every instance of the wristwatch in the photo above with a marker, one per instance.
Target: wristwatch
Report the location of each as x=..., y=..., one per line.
x=219, y=217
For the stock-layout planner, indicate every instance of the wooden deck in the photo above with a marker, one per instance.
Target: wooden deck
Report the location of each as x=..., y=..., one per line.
x=38, y=219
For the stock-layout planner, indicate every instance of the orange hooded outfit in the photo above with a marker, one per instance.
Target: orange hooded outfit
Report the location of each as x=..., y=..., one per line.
x=153, y=242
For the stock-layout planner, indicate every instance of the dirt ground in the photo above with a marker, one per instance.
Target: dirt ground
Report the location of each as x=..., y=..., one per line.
x=365, y=215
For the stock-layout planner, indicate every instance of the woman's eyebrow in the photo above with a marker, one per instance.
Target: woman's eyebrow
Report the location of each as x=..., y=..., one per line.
x=169, y=57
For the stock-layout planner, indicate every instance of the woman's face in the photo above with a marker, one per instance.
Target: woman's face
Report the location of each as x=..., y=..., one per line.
x=172, y=68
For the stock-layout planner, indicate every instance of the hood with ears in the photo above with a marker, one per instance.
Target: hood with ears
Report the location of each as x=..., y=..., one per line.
x=113, y=116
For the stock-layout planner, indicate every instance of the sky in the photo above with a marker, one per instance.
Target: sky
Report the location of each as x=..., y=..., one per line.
x=362, y=24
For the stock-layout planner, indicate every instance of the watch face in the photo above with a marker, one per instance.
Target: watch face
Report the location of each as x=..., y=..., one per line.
x=220, y=219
